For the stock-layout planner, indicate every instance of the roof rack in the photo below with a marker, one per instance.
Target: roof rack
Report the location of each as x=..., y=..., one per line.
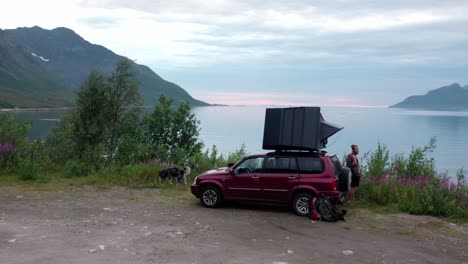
x=295, y=152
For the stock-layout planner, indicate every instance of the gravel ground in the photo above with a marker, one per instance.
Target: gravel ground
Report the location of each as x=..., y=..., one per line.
x=119, y=225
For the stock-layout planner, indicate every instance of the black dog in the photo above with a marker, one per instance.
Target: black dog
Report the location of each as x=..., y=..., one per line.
x=175, y=173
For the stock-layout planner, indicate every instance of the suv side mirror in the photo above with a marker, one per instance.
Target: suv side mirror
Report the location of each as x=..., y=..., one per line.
x=230, y=164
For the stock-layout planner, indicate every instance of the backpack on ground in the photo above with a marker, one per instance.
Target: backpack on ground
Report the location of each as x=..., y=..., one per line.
x=323, y=209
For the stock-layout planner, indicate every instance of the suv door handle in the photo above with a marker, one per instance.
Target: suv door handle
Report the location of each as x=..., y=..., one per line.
x=292, y=177
x=255, y=177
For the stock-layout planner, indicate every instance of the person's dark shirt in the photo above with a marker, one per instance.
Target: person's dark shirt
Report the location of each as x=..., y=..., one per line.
x=352, y=162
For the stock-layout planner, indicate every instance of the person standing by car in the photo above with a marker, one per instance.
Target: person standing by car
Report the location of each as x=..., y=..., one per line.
x=352, y=163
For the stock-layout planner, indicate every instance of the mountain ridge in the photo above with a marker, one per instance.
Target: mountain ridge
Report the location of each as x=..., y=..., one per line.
x=43, y=68
x=451, y=97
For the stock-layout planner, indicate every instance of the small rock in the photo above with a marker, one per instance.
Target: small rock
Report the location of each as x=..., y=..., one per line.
x=148, y=233
x=197, y=223
x=290, y=251
x=102, y=247
x=444, y=250
x=348, y=252
x=19, y=196
x=254, y=240
x=42, y=237
x=179, y=215
x=92, y=250
x=179, y=233
x=12, y=241
x=287, y=238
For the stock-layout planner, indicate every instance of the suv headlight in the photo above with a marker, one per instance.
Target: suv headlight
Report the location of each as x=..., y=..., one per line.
x=195, y=180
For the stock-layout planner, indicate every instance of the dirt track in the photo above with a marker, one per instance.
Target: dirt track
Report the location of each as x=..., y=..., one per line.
x=119, y=225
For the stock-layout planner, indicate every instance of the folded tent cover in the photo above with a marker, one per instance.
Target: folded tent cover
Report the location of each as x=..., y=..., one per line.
x=296, y=128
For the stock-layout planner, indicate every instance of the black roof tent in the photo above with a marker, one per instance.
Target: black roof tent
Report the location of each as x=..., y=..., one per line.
x=296, y=128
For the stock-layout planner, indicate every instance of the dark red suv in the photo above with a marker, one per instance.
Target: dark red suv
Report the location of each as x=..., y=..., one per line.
x=278, y=177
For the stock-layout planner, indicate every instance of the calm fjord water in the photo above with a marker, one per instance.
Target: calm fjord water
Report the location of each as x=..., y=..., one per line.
x=400, y=130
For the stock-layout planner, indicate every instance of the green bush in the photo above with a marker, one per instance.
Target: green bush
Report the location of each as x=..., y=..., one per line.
x=29, y=165
x=378, y=161
x=13, y=140
x=418, y=162
x=75, y=168
x=411, y=184
x=172, y=133
x=436, y=201
x=237, y=155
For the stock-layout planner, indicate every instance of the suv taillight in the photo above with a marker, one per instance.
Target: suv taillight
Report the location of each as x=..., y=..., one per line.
x=334, y=184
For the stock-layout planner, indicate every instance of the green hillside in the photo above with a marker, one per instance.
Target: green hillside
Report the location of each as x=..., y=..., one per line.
x=42, y=68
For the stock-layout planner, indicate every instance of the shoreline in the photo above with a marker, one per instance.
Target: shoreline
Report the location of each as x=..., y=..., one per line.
x=57, y=109
x=45, y=109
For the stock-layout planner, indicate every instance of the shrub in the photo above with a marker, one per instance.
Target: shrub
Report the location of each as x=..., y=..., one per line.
x=13, y=138
x=12, y=132
x=76, y=168
x=378, y=161
x=411, y=183
x=29, y=164
x=418, y=162
x=172, y=133
x=237, y=155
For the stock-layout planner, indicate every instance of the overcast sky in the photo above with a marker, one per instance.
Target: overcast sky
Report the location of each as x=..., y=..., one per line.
x=297, y=52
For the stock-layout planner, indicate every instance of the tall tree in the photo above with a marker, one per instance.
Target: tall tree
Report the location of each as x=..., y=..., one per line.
x=89, y=116
x=106, y=107
x=123, y=103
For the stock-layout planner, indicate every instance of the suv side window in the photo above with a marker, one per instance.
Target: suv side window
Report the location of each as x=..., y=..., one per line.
x=280, y=165
x=309, y=165
x=251, y=165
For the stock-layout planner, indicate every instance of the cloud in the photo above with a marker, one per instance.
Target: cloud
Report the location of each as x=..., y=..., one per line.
x=100, y=22
x=274, y=45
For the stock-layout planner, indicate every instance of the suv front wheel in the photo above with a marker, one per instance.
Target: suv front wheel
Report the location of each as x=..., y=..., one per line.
x=210, y=196
x=301, y=203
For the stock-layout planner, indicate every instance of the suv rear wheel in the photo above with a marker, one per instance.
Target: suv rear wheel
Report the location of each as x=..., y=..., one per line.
x=301, y=203
x=210, y=196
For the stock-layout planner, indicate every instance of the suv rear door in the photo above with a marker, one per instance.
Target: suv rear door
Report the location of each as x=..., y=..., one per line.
x=312, y=172
x=280, y=175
